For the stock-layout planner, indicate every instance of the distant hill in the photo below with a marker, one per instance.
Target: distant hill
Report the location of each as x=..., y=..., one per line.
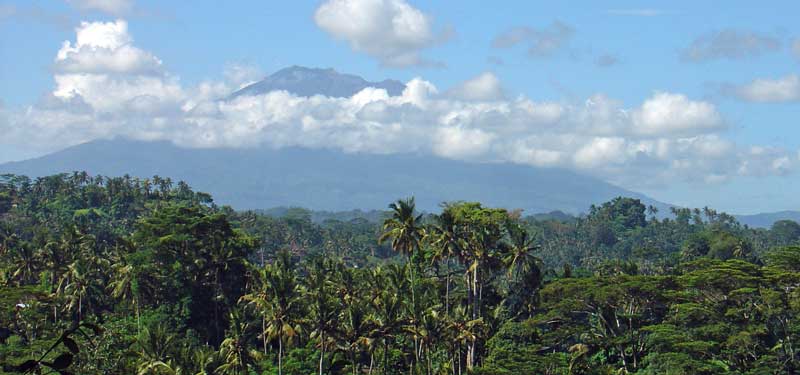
x=261, y=178
x=765, y=220
x=319, y=217
x=304, y=81
x=553, y=215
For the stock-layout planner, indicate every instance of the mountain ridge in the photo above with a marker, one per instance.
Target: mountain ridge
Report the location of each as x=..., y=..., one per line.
x=304, y=81
x=260, y=178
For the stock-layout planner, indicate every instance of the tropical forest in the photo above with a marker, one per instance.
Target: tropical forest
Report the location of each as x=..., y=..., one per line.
x=124, y=275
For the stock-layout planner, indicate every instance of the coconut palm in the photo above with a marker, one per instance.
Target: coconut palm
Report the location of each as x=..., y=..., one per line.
x=81, y=286
x=387, y=309
x=403, y=228
x=154, y=347
x=323, y=309
x=233, y=352
x=445, y=245
x=24, y=264
x=284, y=313
x=124, y=286
x=464, y=333
x=519, y=257
x=353, y=335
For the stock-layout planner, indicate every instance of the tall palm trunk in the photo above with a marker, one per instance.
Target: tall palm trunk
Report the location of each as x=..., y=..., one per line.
x=321, y=351
x=280, y=355
x=371, y=361
x=475, y=314
x=385, y=356
x=264, y=331
x=138, y=317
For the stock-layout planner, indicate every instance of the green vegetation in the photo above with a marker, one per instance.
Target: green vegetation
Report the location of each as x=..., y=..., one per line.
x=131, y=276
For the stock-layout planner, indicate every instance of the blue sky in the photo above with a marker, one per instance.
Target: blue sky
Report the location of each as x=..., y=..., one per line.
x=731, y=70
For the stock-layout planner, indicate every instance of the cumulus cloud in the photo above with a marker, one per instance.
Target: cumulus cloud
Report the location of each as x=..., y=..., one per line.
x=108, y=72
x=784, y=89
x=241, y=75
x=104, y=47
x=485, y=86
x=541, y=42
x=391, y=31
x=666, y=137
x=730, y=44
x=667, y=113
x=114, y=7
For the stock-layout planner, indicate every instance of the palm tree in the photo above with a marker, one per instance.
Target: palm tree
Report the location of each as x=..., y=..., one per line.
x=8, y=237
x=403, y=228
x=284, y=313
x=259, y=299
x=387, y=308
x=464, y=332
x=154, y=346
x=54, y=259
x=24, y=264
x=124, y=286
x=81, y=286
x=355, y=326
x=519, y=258
x=233, y=351
x=446, y=244
x=406, y=233
x=323, y=308
x=428, y=331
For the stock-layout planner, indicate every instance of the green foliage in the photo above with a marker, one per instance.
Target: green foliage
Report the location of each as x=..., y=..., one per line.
x=122, y=275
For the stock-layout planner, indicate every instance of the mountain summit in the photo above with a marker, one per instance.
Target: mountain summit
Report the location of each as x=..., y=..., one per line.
x=304, y=81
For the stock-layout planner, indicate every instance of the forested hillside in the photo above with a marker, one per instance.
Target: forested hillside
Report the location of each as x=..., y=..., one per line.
x=146, y=276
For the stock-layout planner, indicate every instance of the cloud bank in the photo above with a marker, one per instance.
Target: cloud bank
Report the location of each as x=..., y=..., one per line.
x=105, y=86
x=730, y=44
x=540, y=42
x=765, y=90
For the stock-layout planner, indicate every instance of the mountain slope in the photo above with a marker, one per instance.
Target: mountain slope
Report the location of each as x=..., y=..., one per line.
x=304, y=81
x=331, y=180
x=765, y=220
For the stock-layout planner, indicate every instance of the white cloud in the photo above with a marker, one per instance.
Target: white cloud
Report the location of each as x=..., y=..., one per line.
x=543, y=42
x=667, y=113
x=115, y=7
x=485, y=86
x=108, y=72
x=667, y=137
x=784, y=89
x=391, y=31
x=241, y=75
x=730, y=44
x=460, y=143
x=600, y=151
x=765, y=161
x=104, y=47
